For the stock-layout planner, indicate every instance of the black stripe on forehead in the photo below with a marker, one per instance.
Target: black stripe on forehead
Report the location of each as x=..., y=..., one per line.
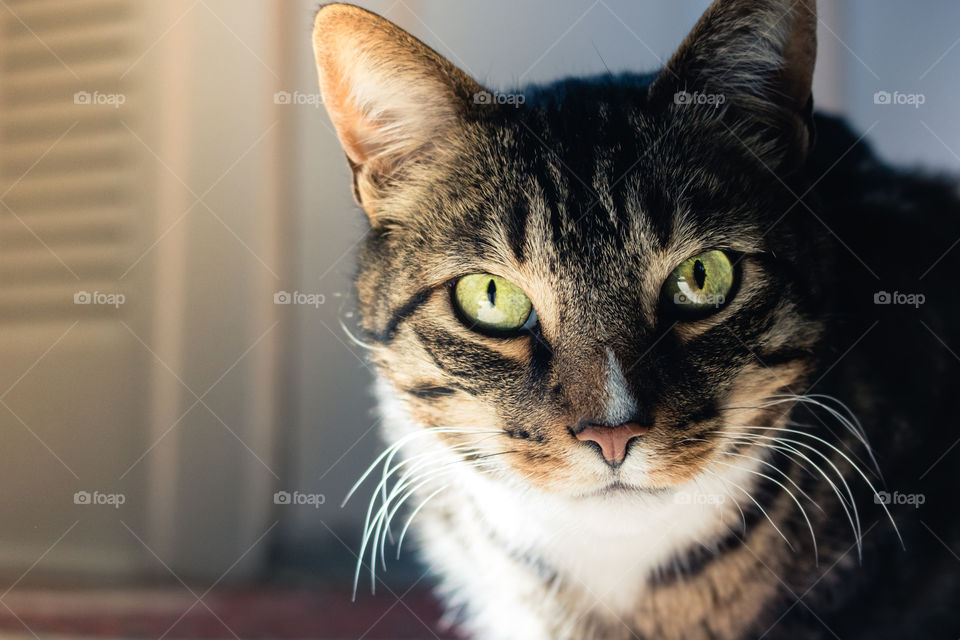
x=548, y=173
x=660, y=212
x=555, y=206
x=586, y=156
x=519, y=192
x=581, y=224
x=515, y=221
x=594, y=177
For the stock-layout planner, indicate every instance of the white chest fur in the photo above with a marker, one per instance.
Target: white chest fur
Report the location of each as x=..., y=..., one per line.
x=608, y=546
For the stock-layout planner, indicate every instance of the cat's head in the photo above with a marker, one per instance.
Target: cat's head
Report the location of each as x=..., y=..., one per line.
x=611, y=267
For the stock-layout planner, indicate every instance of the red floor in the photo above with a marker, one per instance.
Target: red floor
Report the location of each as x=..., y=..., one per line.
x=247, y=614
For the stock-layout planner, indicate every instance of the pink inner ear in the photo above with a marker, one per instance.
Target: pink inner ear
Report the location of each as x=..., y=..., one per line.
x=359, y=137
x=387, y=93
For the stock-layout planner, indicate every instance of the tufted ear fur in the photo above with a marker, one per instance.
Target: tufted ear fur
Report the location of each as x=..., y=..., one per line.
x=391, y=98
x=752, y=62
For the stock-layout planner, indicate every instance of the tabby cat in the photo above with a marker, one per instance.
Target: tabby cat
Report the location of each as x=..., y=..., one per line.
x=630, y=362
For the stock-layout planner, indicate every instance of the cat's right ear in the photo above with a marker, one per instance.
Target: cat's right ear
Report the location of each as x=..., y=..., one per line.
x=392, y=99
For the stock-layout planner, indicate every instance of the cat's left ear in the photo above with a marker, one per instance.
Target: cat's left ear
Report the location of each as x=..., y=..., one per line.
x=392, y=99
x=751, y=63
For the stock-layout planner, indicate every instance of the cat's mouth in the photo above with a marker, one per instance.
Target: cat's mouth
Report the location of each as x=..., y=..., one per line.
x=618, y=488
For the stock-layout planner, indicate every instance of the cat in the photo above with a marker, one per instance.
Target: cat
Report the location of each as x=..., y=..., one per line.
x=633, y=359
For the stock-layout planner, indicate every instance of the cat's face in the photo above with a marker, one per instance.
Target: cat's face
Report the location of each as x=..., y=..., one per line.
x=604, y=253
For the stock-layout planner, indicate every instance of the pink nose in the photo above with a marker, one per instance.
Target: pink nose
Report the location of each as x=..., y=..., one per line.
x=612, y=440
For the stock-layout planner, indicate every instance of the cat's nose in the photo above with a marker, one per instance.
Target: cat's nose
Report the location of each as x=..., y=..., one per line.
x=612, y=440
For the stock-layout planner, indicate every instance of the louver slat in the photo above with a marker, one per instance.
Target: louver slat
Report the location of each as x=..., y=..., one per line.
x=79, y=198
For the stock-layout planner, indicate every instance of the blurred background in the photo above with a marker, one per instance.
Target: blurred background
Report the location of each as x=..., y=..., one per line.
x=176, y=251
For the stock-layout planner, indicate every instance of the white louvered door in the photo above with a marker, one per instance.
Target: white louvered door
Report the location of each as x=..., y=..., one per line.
x=72, y=211
x=67, y=169
x=137, y=257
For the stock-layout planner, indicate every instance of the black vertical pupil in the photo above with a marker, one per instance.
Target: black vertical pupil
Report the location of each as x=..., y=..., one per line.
x=492, y=293
x=699, y=274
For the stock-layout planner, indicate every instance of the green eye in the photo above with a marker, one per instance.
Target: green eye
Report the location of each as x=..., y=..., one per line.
x=491, y=304
x=700, y=284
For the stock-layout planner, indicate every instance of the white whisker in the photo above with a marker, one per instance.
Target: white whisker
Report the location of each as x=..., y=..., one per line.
x=781, y=440
x=752, y=499
x=803, y=512
x=854, y=426
x=409, y=476
x=416, y=462
x=401, y=442
x=849, y=461
x=776, y=444
x=743, y=517
x=403, y=532
x=774, y=467
x=387, y=471
x=357, y=341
